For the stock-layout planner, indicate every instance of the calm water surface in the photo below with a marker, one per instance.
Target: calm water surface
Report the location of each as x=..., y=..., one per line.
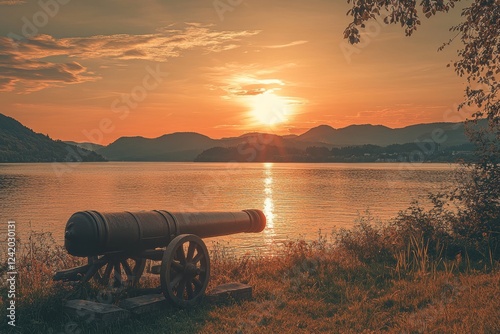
x=298, y=199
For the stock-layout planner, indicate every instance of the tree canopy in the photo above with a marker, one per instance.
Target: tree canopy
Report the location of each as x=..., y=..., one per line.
x=475, y=222
x=478, y=56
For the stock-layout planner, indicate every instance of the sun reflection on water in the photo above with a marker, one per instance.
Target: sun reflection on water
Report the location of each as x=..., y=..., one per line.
x=268, y=200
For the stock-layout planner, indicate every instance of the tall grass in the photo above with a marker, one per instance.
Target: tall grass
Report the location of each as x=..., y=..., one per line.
x=401, y=276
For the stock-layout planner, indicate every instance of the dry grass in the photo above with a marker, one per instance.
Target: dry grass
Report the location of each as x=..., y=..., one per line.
x=306, y=288
x=313, y=290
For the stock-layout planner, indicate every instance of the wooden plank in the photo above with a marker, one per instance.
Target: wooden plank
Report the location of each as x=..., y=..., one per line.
x=156, y=269
x=73, y=274
x=147, y=291
x=230, y=291
x=92, y=311
x=144, y=304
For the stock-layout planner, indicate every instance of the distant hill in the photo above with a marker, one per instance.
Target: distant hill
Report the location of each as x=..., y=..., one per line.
x=21, y=144
x=383, y=136
x=409, y=152
x=252, y=153
x=187, y=146
x=180, y=146
x=85, y=145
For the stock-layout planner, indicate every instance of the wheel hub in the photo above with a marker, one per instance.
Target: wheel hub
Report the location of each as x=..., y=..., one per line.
x=191, y=270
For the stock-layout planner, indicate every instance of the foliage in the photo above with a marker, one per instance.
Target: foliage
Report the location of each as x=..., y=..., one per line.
x=367, y=241
x=479, y=33
x=466, y=227
x=478, y=59
x=473, y=222
x=477, y=203
x=430, y=227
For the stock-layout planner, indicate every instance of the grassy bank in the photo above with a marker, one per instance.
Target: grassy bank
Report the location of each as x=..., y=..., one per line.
x=366, y=280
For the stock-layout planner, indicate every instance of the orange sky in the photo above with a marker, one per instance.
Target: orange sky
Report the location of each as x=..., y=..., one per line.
x=98, y=70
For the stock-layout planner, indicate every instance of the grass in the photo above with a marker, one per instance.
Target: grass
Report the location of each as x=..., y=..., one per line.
x=356, y=281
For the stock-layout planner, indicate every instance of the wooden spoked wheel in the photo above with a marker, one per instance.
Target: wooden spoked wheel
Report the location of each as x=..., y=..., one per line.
x=185, y=270
x=117, y=271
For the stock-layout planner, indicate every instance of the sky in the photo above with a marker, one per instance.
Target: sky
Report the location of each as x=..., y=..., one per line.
x=97, y=70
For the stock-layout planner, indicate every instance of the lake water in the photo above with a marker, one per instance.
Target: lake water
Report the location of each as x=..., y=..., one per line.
x=298, y=199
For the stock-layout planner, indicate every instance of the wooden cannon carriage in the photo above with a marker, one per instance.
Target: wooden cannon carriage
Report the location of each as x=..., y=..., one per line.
x=118, y=244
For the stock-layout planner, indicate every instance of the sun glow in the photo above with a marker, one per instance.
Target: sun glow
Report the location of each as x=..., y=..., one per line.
x=269, y=109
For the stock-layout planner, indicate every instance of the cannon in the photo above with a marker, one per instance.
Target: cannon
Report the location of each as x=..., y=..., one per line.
x=117, y=245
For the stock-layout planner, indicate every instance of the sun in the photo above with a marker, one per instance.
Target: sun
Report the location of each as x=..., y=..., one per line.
x=269, y=109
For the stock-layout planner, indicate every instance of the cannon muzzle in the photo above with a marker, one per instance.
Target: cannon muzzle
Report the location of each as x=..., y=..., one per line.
x=90, y=233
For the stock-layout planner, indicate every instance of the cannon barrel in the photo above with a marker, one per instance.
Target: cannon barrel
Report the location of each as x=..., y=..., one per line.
x=90, y=233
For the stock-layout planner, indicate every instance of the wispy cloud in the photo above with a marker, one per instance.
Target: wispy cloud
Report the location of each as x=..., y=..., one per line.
x=166, y=43
x=24, y=65
x=399, y=114
x=280, y=46
x=27, y=73
x=245, y=80
x=11, y=2
x=250, y=86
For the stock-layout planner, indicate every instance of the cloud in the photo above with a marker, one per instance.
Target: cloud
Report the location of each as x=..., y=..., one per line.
x=251, y=86
x=28, y=72
x=280, y=46
x=399, y=115
x=160, y=46
x=238, y=80
x=11, y=2
x=6, y=84
x=24, y=65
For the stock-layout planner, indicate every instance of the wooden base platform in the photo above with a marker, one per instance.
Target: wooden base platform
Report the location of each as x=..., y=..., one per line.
x=95, y=312
x=92, y=311
x=230, y=291
x=144, y=304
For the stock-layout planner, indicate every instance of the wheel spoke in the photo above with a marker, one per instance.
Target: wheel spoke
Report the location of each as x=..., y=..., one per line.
x=180, y=255
x=118, y=274
x=106, y=266
x=177, y=266
x=180, y=289
x=189, y=290
x=198, y=257
x=137, y=269
x=127, y=269
x=176, y=281
x=107, y=274
x=191, y=248
x=185, y=270
x=92, y=272
x=197, y=283
x=99, y=266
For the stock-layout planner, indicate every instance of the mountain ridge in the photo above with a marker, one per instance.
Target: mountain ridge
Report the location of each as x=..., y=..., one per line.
x=186, y=146
x=162, y=148
x=19, y=143
x=361, y=134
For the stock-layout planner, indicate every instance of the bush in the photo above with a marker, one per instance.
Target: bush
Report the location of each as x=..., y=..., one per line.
x=367, y=242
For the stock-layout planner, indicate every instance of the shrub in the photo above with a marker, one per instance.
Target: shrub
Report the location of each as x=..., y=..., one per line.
x=367, y=241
